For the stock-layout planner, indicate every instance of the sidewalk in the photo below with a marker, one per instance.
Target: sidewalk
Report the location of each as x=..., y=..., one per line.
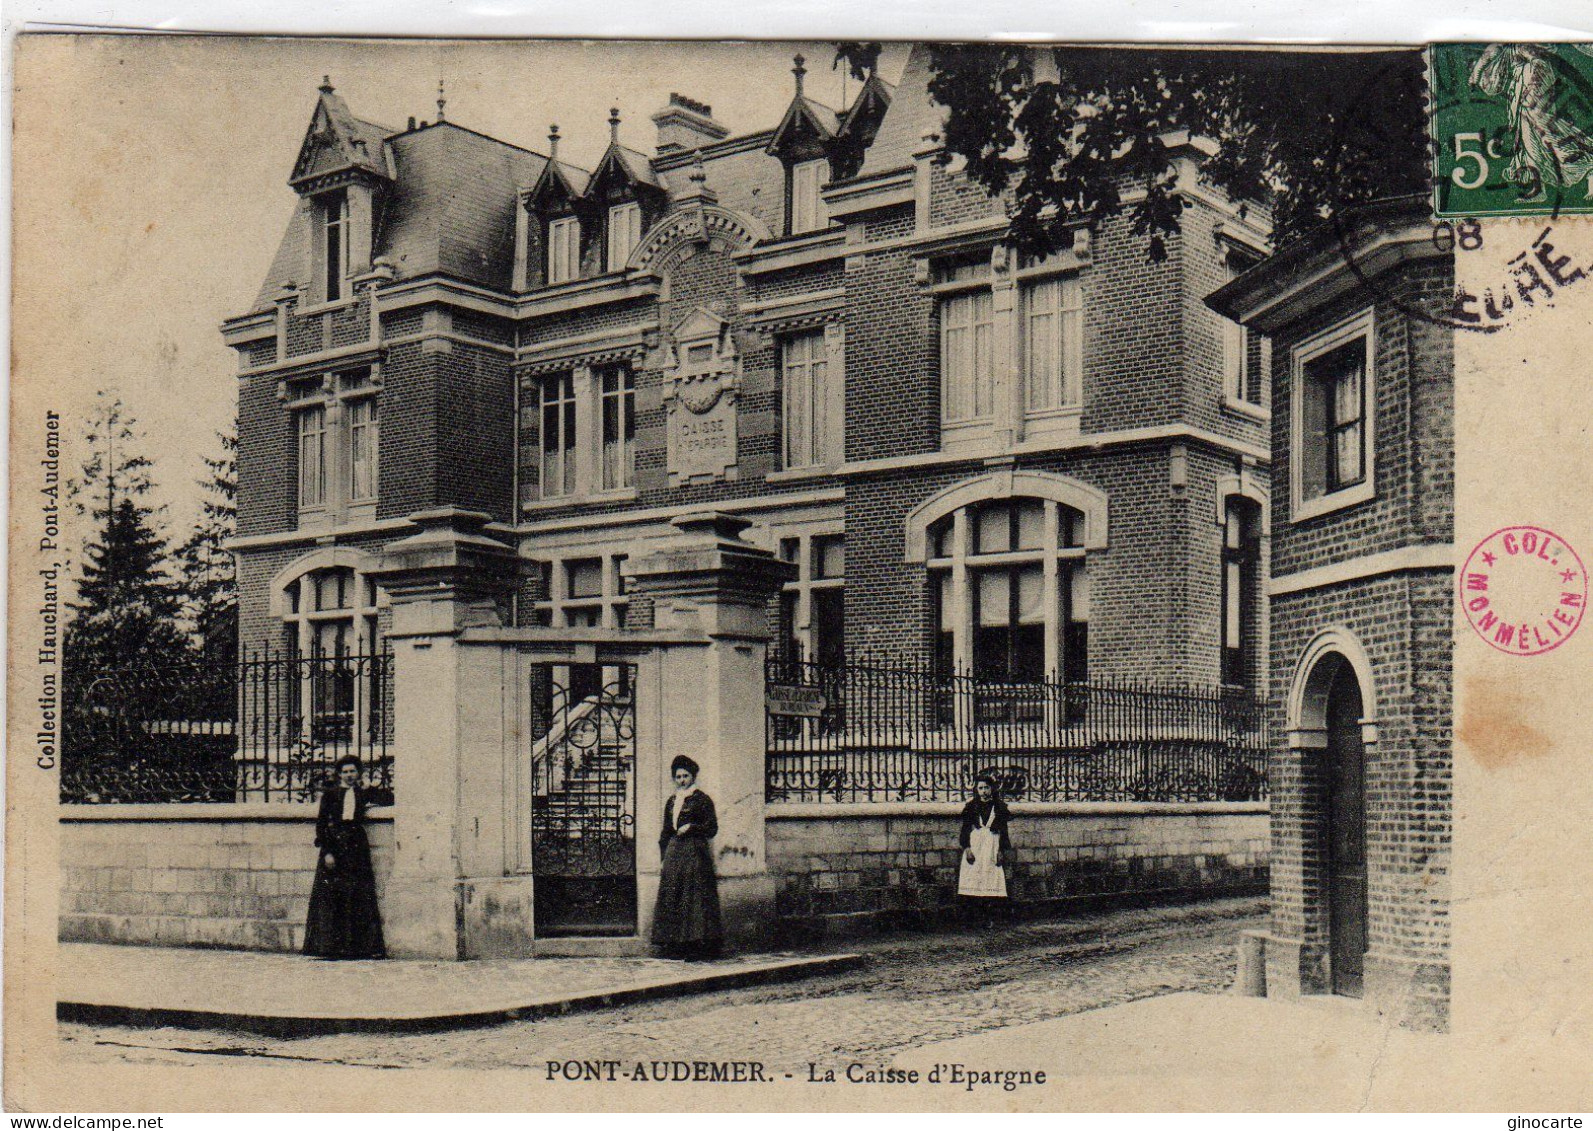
x=287, y=995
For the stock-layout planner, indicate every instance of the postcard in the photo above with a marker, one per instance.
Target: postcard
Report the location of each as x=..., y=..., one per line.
x=632, y=575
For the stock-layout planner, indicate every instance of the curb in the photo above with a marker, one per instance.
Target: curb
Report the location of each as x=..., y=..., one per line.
x=305, y=1025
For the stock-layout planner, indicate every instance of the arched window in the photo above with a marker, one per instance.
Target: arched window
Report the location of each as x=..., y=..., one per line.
x=1009, y=591
x=1241, y=603
x=330, y=620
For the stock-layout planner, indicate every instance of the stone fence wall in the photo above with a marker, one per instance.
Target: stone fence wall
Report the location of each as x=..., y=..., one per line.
x=234, y=876
x=838, y=867
x=239, y=876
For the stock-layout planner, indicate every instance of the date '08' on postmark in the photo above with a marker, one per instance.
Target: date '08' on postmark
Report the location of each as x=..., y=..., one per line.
x=1524, y=590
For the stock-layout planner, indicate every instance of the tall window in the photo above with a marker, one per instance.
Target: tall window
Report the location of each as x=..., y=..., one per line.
x=618, y=390
x=583, y=592
x=564, y=250
x=331, y=622
x=967, y=356
x=1246, y=359
x=335, y=244
x=812, y=607
x=1241, y=556
x=312, y=456
x=811, y=425
x=362, y=448
x=1052, y=344
x=624, y=233
x=1009, y=592
x=1334, y=417
x=558, y=435
x=808, y=211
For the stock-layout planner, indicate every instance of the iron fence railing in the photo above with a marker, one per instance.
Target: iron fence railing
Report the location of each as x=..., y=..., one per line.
x=870, y=732
x=270, y=727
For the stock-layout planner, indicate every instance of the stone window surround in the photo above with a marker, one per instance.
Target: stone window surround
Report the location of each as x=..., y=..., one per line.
x=586, y=380
x=611, y=601
x=1010, y=421
x=1054, y=491
x=833, y=329
x=1361, y=325
x=334, y=391
x=807, y=581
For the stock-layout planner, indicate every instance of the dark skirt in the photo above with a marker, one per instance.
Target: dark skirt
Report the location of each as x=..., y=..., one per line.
x=687, y=916
x=344, y=921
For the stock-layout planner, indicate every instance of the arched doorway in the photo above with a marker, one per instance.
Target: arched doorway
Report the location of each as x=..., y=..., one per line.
x=1332, y=722
x=1344, y=830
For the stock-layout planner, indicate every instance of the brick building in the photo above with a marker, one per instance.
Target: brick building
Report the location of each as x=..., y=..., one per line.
x=1361, y=607
x=1023, y=468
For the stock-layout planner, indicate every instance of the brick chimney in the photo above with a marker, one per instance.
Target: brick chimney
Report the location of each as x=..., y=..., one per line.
x=686, y=124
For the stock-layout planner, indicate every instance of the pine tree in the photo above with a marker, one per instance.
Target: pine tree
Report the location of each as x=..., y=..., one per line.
x=209, y=577
x=128, y=607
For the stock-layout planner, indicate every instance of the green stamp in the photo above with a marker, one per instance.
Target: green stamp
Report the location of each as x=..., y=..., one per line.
x=1513, y=128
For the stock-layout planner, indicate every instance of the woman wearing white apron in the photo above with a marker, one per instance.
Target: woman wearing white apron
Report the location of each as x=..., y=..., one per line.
x=982, y=882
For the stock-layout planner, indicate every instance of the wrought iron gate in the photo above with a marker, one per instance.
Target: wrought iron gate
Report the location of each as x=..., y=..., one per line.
x=583, y=804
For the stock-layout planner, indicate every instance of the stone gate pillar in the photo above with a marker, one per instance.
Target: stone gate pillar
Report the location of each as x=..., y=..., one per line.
x=707, y=580
x=454, y=741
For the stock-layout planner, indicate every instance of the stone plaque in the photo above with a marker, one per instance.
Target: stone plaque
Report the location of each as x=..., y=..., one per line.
x=702, y=442
x=701, y=386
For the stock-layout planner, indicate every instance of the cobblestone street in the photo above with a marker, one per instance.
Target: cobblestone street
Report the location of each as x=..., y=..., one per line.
x=916, y=989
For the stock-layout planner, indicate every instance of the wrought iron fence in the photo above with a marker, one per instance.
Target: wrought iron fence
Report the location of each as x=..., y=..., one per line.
x=267, y=728
x=866, y=732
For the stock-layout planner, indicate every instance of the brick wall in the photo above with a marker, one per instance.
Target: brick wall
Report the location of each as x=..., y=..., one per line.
x=1414, y=427
x=892, y=356
x=235, y=876
x=892, y=864
x=268, y=460
x=1403, y=622
x=1155, y=591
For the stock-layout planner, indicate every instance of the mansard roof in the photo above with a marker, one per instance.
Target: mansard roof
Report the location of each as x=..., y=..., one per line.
x=448, y=208
x=337, y=142
x=911, y=113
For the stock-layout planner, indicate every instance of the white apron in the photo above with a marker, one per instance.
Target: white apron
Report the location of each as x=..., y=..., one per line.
x=983, y=877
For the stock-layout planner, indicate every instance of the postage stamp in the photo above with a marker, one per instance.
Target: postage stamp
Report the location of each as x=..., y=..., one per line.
x=1512, y=128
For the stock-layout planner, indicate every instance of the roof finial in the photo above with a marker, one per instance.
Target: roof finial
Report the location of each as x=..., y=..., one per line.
x=553, y=142
x=613, y=124
x=699, y=175
x=799, y=71
x=442, y=101
x=326, y=84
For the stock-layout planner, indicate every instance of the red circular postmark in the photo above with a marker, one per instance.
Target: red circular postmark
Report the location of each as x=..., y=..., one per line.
x=1524, y=590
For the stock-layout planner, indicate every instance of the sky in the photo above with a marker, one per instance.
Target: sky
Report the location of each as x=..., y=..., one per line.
x=151, y=184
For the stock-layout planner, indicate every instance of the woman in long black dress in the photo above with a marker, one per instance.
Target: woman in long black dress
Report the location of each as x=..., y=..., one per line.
x=686, y=920
x=986, y=852
x=344, y=921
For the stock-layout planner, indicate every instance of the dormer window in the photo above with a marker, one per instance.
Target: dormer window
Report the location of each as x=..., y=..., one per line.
x=808, y=210
x=624, y=233
x=334, y=266
x=564, y=249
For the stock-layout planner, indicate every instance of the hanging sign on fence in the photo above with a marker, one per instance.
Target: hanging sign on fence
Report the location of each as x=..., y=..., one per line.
x=797, y=702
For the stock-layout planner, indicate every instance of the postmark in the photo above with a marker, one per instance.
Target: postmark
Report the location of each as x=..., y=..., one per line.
x=1512, y=129
x=1524, y=590
x=1525, y=268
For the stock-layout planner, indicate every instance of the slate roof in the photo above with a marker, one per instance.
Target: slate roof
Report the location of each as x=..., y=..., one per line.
x=450, y=210
x=912, y=112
